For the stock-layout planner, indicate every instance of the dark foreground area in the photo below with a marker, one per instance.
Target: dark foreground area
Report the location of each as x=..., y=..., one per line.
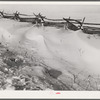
x=22, y=72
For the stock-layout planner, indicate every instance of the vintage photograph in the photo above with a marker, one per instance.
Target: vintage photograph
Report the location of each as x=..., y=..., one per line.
x=49, y=47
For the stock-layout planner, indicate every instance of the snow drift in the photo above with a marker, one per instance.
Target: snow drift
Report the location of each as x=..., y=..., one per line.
x=59, y=48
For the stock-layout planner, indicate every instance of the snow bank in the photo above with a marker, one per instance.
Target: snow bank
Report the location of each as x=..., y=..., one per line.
x=67, y=46
x=60, y=48
x=70, y=47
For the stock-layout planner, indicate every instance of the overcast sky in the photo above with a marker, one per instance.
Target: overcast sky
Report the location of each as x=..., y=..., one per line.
x=52, y=8
x=55, y=11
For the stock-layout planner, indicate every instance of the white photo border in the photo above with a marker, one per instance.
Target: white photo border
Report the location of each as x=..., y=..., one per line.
x=50, y=94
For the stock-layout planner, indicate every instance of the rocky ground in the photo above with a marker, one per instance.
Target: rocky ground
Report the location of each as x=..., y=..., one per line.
x=20, y=71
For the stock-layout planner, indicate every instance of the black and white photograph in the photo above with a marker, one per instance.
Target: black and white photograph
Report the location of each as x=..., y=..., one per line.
x=49, y=47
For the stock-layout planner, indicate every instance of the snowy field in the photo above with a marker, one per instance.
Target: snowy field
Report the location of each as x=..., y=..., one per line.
x=47, y=58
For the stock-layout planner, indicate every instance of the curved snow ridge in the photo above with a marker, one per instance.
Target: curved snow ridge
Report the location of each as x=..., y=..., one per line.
x=35, y=39
x=54, y=43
